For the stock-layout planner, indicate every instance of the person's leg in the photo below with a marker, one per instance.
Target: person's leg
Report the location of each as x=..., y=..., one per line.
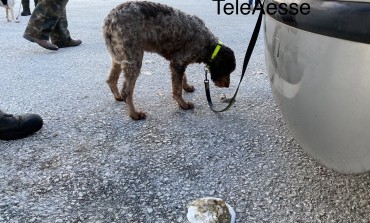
x=36, y=1
x=42, y=22
x=17, y=127
x=60, y=35
x=26, y=8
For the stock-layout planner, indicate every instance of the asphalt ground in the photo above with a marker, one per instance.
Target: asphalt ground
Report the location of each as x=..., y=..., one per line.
x=92, y=163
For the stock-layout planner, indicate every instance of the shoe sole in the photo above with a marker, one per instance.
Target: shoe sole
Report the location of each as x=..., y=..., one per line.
x=33, y=40
x=20, y=134
x=14, y=136
x=68, y=45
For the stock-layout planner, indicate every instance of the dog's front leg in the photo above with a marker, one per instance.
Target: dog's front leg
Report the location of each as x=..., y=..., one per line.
x=178, y=72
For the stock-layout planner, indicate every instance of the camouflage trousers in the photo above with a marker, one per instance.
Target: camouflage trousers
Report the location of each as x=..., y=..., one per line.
x=49, y=21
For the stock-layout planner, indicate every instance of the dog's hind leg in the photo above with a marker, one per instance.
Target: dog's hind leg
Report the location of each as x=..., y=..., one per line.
x=112, y=81
x=178, y=73
x=7, y=13
x=12, y=13
x=132, y=71
x=186, y=86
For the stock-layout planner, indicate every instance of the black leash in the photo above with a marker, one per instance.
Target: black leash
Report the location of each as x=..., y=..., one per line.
x=247, y=57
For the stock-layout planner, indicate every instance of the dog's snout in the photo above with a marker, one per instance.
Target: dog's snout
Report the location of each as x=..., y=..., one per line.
x=223, y=82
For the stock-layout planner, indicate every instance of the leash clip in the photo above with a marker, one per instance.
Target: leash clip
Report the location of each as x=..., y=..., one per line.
x=206, y=81
x=206, y=74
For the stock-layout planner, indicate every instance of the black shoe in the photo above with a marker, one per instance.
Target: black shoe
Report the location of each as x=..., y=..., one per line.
x=17, y=127
x=43, y=43
x=25, y=13
x=70, y=43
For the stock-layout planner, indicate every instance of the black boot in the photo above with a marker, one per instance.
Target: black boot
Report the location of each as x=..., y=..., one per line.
x=26, y=8
x=69, y=43
x=17, y=127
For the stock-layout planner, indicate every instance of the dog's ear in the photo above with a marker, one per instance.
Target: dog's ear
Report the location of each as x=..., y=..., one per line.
x=224, y=63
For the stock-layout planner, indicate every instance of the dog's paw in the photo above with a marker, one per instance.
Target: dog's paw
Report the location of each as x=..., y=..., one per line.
x=189, y=88
x=119, y=98
x=187, y=106
x=137, y=115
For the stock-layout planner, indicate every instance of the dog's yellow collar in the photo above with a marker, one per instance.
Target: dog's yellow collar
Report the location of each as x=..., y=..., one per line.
x=217, y=49
x=214, y=54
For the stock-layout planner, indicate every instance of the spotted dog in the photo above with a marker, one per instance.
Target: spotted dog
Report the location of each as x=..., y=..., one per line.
x=135, y=27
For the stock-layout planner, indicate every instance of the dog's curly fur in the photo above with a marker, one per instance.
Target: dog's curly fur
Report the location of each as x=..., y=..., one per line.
x=137, y=26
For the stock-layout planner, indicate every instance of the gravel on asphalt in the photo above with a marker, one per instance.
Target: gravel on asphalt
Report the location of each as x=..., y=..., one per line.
x=91, y=163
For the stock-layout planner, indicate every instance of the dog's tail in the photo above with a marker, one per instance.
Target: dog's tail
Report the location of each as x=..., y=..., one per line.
x=107, y=34
x=108, y=40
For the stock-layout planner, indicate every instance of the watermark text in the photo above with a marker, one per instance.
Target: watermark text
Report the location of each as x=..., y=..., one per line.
x=235, y=8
